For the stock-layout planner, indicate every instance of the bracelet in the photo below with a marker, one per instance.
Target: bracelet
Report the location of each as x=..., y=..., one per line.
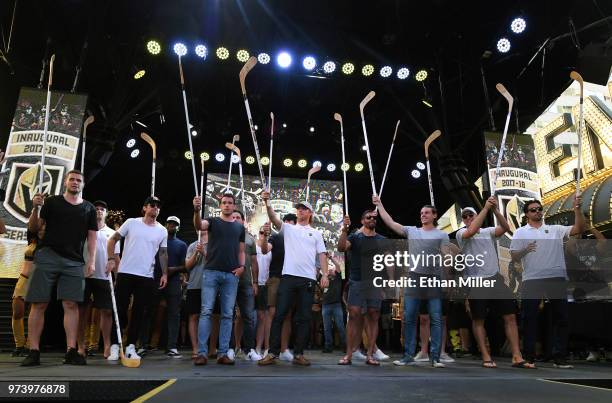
x=23, y=275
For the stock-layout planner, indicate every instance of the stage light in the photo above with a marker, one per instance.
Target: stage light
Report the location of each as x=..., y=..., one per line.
x=316, y=164
x=364, y=147
x=309, y=63
x=220, y=157
x=265, y=161
x=348, y=68
x=403, y=73
x=255, y=127
x=420, y=165
x=331, y=167
x=287, y=162
x=284, y=59
x=242, y=55
x=139, y=74
x=421, y=75
x=204, y=156
x=416, y=173
x=386, y=71
x=235, y=159
x=518, y=25
x=250, y=160
x=201, y=51
x=194, y=132
x=284, y=125
x=329, y=67
x=311, y=129
x=263, y=58
x=302, y=163
x=154, y=47
x=180, y=49
x=426, y=103
x=222, y=53
x=130, y=143
x=135, y=153
x=503, y=45
x=359, y=167
x=187, y=155
x=345, y=167
x=367, y=70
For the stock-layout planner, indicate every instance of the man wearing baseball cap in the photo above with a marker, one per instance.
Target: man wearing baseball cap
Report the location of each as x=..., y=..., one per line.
x=144, y=238
x=303, y=245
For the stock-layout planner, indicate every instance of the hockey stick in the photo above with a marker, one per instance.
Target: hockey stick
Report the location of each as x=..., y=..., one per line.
x=229, y=175
x=382, y=185
x=313, y=170
x=150, y=141
x=502, y=90
x=88, y=121
x=188, y=127
x=362, y=105
x=126, y=362
x=242, y=191
x=428, y=142
x=271, y=144
x=577, y=77
x=201, y=190
x=236, y=150
x=248, y=66
x=46, y=129
x=338, y=117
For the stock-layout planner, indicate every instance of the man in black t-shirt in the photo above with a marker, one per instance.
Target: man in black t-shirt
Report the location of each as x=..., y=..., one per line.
x=68, y=221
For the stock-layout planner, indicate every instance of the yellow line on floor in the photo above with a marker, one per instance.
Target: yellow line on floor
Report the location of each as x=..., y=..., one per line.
x=575, y=384
x=153, y=392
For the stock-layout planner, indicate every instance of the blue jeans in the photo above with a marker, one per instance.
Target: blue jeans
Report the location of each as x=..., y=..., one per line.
x=333, y=311
x=226, y=285
x=411, y=313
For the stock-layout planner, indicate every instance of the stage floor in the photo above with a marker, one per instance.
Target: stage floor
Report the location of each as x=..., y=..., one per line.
x=463, y=380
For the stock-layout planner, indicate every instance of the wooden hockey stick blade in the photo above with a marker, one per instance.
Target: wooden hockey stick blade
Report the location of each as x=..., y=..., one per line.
x=88, y=121
x=338, y=117
x=365, y=101
x=149, y=140
x=396, y=127
x=432, y=137
x=51, y=70
x=234, y=148
x=314, y=170
x=248, y=66
x=272, y=124
x=129, y=362
x=574, y=75
x=502, y=90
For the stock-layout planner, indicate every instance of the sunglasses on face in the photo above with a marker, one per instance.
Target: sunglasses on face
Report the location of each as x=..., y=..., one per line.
x=467, y=215
x=534, y=209
x=370, y=217
x=157, y=205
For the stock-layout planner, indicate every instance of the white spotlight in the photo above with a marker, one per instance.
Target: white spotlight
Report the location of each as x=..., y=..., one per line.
x=235, y=159
x=180, y=49
x=329, y=67
x=201, y=51
x=309, y=63
x=364, y=147
x=312, y=129
x=135, y=153
x=331, y=167
x=194, y=132
x=220, y=157
x=130, y=143
x=420, y=165
x=503, y=45
x=284, y=125
x=416, y=173
x=284, y=59
x=386, y=71
x=518, y=25
x=403, y=73
x=263, y=58
x=316, y=164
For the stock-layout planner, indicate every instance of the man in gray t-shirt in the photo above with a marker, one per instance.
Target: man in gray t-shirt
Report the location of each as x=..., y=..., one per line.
x=194, y=263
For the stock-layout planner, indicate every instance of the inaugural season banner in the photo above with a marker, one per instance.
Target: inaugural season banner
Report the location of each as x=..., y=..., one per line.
x=21, y=168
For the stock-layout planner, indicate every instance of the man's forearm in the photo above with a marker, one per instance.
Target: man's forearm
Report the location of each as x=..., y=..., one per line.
x=197, y=221
x=272, y=216
x=91, y=248
x=501, y=220
x=163, y=260
x=342, y=241
x=34, y=221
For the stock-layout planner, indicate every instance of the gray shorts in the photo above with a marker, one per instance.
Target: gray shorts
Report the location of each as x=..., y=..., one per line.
x=359, y=296
x=52, y=269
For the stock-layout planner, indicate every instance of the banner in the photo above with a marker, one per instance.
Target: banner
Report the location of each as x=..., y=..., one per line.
x=21, y=168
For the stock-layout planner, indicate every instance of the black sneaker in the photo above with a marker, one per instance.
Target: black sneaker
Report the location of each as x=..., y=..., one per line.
x=32, y=359
x=73, y=357
x=327, y=350
x=91, y=351
x=18, y=352
x=562, y=364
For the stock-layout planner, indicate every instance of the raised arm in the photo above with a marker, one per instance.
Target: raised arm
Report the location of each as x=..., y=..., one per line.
x=262, y=241
x=387, y=219
x=343, y=243
x=274, y=219
x=579, y=225
x=35, y=223
x=191, y=261
x=198, y=223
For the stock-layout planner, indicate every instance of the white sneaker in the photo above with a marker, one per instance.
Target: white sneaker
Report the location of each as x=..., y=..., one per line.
x=253, y=356
x=265, y=353
x=231, y=354
x=438, y=364
x=358, y=355
x=380, y=356
x=444, y=357
x=421, y=357
x=114, y=353
x=130, y=352
x=286, y=356
x=593, y=356
x=173, y=353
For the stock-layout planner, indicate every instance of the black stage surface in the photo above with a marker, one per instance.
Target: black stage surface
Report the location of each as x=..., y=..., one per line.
x=464, y=380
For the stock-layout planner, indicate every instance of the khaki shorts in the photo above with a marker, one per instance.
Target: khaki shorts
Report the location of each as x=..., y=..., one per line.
x=21, y=288
x=272, y=286
x=54, y=270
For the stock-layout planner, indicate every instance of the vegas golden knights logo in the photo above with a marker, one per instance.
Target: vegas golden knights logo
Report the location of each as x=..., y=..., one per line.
x=24, y=184
x=514, y=213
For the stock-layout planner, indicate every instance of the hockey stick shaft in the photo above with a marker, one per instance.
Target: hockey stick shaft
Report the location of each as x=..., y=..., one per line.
x=502, y=147
x=431, y=194
x=339, y=119
x=577, y=77
x=187, y=124
x=382, y=185
x=271, y=146
x=365, y=137
x=46, y=127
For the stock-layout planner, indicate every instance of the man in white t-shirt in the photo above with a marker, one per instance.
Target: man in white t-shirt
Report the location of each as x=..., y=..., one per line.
x=475, y=241
x=540, y=249
x=97, y=285
x=144, y=238
x=261, y=301
x=303, y=245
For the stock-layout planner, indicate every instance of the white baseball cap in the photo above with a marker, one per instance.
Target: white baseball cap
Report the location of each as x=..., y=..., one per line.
x=174, y=218
x=305, y=204
x=470, y=209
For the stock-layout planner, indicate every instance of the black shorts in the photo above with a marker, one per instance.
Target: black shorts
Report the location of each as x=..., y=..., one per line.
x=458, y=317
x=502, y=303
x=194, y=301
x=100, y=290
x=261, y=300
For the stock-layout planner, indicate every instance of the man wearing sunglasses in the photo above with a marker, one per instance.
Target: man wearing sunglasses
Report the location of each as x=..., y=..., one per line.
x=540, y=249
x=144, y=238
x=474, y=240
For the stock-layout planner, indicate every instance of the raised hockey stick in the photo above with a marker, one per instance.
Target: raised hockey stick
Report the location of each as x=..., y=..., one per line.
x=577, y=77
x=188, y=127
x=150, y=141
x=338, y=117
x=271, y=145
x=432, y=137
x=88, y=121
x=46, y=128
x=382, y=185
x=362, y=105
x=235, y=139
x=311, y=171
x=502, y=90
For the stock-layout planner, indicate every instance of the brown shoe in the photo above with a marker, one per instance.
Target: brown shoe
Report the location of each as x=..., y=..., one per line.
x=225, y=360
x=200, y=360
x=268, y=360
x=300, y=360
